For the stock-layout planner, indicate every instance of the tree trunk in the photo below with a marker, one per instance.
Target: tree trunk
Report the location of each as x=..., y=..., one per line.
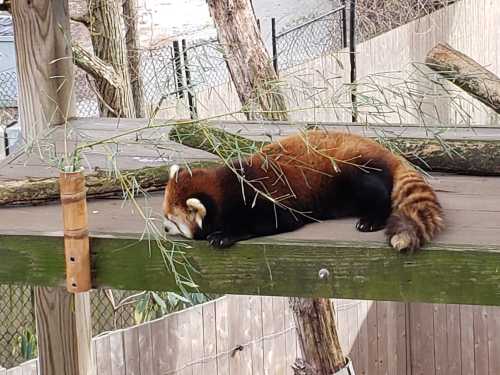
x=248, y=62
x=134, y=57
x=466, y=74
x=463, y=156
x=108, y=40
x=315, y=321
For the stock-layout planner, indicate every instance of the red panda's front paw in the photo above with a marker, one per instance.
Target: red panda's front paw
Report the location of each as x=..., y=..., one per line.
x=220, y=240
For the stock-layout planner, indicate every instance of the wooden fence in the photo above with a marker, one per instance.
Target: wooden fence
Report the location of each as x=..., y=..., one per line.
x=256, y=335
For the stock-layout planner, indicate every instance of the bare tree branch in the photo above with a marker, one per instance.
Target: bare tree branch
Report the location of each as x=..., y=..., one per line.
x=94, y=66
x=84, y=19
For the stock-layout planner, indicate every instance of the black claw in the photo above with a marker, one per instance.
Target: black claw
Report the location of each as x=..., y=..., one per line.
x=219, y=240
x=369, y=225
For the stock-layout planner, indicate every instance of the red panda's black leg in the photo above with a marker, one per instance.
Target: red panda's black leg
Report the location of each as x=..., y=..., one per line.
x=374, y=202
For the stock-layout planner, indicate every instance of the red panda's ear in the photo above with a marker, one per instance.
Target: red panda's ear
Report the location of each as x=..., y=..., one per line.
x=174, y=169
x=198, y=208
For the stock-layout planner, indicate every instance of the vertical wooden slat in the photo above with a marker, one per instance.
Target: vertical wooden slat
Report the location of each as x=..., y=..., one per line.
x=173, y=342
x=422, y=343
x=382, y=337
x=209, y=339
x=197, y=352
x=240, y=361
x=29, y=367
x=257, y=333
x=117, y=353
x=400, y=348
x=467, y=338
x=185, y=349
x=15, y=371
x=481, y=356
x=361, y=365
x=222, y=323
x=453, y=330
x=267, y=329
x=145, y=349
x=131, y=347
x=160, y=342
x=290, y=339
x=373, y=364
x=493, y=340
x=279, y=339
x=103, y=350
x=440, y=339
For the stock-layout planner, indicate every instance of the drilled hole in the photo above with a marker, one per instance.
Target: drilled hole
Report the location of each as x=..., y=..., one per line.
x=72, y=259
x=73, y=285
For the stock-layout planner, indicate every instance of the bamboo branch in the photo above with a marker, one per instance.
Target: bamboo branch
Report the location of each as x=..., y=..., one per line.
x=471, y=157
x=466, y=73
x=94, y=66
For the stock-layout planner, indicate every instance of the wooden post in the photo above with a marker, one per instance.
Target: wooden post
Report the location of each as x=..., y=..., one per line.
x=45, y=80
x=318, y=338
x=44, y=64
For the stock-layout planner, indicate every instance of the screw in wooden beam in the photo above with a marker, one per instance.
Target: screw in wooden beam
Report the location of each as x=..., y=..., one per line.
x=76, y=235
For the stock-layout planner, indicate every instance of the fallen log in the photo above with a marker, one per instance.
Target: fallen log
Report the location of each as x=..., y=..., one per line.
x=100, y=184
x=469, y=157
x=466, y=73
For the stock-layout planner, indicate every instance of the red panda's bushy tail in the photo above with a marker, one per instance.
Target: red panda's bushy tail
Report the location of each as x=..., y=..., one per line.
x=416, y=213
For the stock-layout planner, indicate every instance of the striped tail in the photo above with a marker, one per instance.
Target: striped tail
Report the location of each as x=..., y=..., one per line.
x=416, y=213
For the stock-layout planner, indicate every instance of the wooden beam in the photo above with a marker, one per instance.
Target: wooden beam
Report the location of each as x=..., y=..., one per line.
x=441, y=273
x=44, y=64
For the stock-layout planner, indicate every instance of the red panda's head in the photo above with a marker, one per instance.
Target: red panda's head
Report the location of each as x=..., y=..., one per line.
x=183, y=207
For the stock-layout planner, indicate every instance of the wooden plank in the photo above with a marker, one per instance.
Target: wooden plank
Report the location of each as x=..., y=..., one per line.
x=362, y=365
x=383, y=337
x=145, y=349
x=160, y=343
x=222, y=329
x=29, y=367
x=103, y=351
x=209, y=339
x=267, y=330
x=372, y=334
x=467, y=339
x=184, y=341
x=481, y=355
x=197, y=351
x=290, y=339
x=240, y=359
x=257, y=335
x=493, y=341
x=453, y=332
x=441, y=273
x=173, y=343
x=422, y=339
x=440, y=339
x=15, y=371
x=131, y=349
x=117, y=349
x=279, y=367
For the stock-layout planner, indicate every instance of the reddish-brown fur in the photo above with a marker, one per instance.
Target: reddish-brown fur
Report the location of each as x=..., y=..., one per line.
x=309, y=173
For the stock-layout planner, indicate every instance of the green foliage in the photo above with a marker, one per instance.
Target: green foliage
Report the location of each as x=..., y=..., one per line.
x=153, y=305
x=25, y=345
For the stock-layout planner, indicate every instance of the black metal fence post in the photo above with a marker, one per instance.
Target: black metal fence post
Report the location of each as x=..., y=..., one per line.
x=178, y=69
x=344, y=24
x=193, y=111
x=275, y=49
x=352, y=56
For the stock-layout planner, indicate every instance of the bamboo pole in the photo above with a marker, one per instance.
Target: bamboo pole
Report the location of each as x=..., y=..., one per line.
x=76, y=235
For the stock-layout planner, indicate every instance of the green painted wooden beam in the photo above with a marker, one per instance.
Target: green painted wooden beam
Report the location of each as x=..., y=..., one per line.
x=440, y=273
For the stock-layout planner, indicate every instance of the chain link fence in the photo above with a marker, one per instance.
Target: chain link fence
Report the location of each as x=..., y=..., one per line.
x=317, y=37
x=17, y=320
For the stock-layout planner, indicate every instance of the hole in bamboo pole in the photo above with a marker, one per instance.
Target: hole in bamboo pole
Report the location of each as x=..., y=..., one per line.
x=76, y=237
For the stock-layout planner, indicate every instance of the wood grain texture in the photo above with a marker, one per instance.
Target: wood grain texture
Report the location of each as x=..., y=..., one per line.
x=44, y=65
x=57, y=335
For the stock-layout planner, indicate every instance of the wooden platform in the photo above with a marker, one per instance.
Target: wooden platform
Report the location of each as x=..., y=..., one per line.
x=460, y=267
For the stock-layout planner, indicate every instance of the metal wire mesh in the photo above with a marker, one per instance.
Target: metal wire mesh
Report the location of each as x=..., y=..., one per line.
x=8, y=97
x=312, y=39
x=17, y=317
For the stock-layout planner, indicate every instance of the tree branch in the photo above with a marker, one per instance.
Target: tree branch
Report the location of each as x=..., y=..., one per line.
x=94, y=66
x=84, y=19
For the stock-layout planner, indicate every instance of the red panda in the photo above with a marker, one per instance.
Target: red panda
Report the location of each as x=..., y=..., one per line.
x=311, y=176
